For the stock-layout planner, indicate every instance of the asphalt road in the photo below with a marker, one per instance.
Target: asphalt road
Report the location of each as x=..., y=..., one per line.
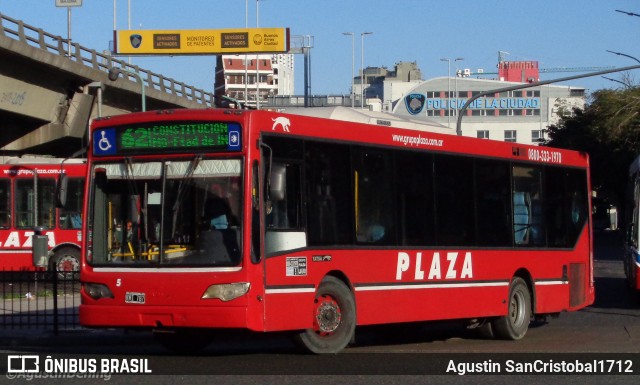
x=607, y=330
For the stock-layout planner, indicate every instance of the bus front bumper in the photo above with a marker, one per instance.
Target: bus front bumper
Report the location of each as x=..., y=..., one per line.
x=163, y=316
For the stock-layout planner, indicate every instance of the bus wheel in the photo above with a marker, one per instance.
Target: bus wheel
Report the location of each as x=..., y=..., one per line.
x=66, y=263
x=515, y=324
x=334, y=318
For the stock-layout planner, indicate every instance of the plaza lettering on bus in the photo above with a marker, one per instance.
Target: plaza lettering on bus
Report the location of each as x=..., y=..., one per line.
x=17, y=239
x=449, y=266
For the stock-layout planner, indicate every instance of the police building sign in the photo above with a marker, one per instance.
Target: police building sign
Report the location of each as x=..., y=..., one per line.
x=485, y=103
x=416, y=103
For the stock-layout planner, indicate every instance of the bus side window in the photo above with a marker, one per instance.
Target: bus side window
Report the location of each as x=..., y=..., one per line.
x=521, y=217
x=329, y=219
x=374, y=209
x=285, y=210
x=528, y=220
x=24, y=201
x=70, y=215
x=5, y=204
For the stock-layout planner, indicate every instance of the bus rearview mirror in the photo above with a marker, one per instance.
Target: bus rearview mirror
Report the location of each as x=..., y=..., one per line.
x=61, y=191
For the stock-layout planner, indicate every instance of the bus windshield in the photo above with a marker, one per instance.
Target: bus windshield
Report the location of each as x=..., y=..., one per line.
x=166, y=213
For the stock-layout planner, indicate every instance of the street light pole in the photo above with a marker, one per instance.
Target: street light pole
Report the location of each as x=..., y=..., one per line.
x=614, y=80
x=628, y=13
x=456, y=84
x=257, y=59
x=114, y=73
x=448, y=90
x=246, y=58
x=353, y=66
x=623, y=54
x=534, y=84
x=362, y=78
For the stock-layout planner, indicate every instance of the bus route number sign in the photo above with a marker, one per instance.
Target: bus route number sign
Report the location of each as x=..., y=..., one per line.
x=167, y=137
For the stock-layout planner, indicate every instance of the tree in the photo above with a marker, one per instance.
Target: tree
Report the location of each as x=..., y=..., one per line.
x=608, y=129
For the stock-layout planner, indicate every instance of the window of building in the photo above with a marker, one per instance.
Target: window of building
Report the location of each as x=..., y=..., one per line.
x=510, y=136
x=537, y=136
x=483, y=134
x=533, y=94
x=576, y=93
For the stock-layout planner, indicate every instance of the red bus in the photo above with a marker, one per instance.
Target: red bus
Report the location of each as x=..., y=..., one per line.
x=216, y=219
x=27, y=201
x=632, y=257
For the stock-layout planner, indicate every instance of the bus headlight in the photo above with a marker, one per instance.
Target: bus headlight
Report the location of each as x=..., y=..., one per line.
x=97, y=290
x=226, y=292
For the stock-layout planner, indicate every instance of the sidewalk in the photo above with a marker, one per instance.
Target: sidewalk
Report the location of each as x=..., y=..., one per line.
x=27, y=338
x=28, y=322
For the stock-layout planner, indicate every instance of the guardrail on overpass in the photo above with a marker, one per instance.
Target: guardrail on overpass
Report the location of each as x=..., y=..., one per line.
x=36, y=37
x=52, y=88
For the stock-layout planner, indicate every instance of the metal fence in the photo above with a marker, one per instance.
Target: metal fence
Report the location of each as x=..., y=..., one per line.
x=39, y=300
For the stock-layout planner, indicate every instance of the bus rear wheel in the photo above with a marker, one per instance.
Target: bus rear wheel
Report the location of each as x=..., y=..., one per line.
x=515, y=324
x=66, y=263
x=334, y=318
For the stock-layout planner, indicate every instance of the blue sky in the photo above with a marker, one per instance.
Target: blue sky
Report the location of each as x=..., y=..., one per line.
x=557, y=33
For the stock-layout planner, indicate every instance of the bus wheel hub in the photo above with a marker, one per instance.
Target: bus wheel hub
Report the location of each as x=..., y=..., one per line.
x=328, y=316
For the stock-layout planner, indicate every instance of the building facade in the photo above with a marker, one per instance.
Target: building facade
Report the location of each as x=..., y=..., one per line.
x=514, y=116
x=251, y=79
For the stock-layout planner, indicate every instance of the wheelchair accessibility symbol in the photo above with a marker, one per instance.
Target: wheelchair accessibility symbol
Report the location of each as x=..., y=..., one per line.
x=104, y=142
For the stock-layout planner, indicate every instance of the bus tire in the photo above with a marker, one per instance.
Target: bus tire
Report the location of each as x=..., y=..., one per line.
x=334, y=319
x=66, y=263
x=515, y=324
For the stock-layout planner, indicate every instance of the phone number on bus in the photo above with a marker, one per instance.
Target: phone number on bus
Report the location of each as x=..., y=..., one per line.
x=545, y=156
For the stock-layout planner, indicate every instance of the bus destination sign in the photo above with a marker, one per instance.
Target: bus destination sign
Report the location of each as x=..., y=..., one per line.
x=167, y=137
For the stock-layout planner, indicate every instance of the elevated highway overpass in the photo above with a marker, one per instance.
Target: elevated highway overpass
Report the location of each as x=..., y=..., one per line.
x=50, y=90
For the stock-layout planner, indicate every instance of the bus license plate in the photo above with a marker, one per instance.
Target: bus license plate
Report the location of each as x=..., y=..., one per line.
x=134, y=298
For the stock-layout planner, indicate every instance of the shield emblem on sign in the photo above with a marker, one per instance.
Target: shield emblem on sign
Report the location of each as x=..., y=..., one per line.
x=414, y=103
x=135, y=40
